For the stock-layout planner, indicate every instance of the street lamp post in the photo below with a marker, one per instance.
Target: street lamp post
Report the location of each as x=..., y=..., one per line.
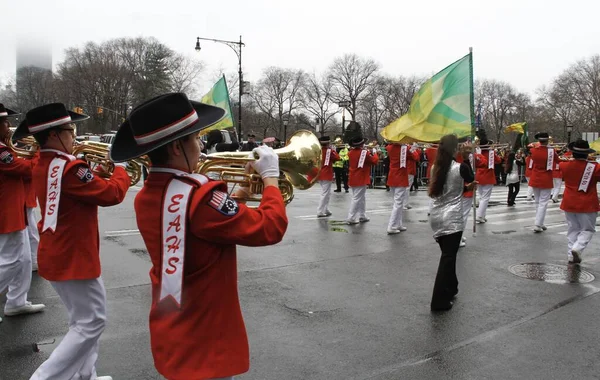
x=285, y=124
x=344, y=104
x=237, y=48
x=569, y=130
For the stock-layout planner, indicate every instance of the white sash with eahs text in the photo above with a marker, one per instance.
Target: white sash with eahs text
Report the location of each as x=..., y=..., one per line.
x=587, y=176
x=530, y=163
x=327, y=157
x=490, y=159
x=550, y=162
x=472, y=161
x=403, y=156
x=53, y=189
x=174, y=229
x=361, y=160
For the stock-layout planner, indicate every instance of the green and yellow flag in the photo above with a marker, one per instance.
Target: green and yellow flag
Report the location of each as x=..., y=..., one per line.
x=443, y=105
x=219, y=96
x=516, y=127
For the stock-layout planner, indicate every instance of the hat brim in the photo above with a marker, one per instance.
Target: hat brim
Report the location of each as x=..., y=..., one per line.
x=125, y=148
x=572, y=148
x=541, y=138
x=23, y=128
x=10, y=113
x=358, y=142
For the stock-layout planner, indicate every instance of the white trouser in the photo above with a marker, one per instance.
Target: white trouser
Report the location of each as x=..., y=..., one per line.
x=325, y=194
x=358, y=204
x=484, y=192
x=557, y=182
x=34, y=235
x=15, y=267
x=529, y=189
x=75, y=357
x=411, y=179
x=467, y=208
x=582, y=226
x=542, y=197
x=399, y=199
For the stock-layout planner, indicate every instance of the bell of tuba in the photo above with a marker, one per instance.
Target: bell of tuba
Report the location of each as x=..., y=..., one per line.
x=96, y=154
x=299, y=161
x=30, y=149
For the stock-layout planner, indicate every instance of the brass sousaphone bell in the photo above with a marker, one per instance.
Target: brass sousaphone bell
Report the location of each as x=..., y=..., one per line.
x=299, y=161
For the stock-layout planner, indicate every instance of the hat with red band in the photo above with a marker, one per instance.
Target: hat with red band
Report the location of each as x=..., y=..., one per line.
x=46, y=117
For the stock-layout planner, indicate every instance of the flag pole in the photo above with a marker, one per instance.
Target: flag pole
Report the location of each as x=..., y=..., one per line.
x=473, y=137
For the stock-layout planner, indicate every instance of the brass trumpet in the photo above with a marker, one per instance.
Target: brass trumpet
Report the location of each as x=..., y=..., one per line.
x=299, y=160
x=96, y=153
x=30, y=149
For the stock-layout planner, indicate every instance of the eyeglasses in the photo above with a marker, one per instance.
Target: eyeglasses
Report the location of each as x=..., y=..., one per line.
x=73, y=131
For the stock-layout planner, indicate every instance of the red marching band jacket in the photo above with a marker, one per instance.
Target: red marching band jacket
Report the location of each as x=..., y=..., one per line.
x=430, y=153
x=556, y=172
x=541, y=175
x=412, y=164
x=486, y=175
x=13, y=172
x=200, y=335
x=528, y=166
x=326, y=173
x=30, y=198
x=69, y=248
x=398, y=174
x=360, y=176
x=580, y=178
x=479, y=161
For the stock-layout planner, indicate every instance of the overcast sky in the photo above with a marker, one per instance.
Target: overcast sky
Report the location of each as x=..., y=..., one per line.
x=524, y=42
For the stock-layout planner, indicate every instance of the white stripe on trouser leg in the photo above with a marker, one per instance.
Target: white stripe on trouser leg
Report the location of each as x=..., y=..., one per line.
x=411, y=179
x=34, y=235
x=15, y=267
x=356, y=205
x=396, y=215
x=467, y=206
x=581, y=229
x=77, y=353
x=557, y=182
x=484, y=192
x=542, y=197
x=325, y=195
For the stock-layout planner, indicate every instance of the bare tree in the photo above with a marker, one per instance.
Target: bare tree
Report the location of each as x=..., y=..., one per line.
x=317, y=100
x=373, y=111
x=183, y=74
x=35, y=87
x=352, y=77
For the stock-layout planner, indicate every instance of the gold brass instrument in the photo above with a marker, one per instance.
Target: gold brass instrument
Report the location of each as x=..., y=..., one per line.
x=30, y=149
x=96, y=154
x=299, y=160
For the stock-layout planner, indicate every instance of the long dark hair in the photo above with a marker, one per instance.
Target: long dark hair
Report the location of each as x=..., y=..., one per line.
x=443, y=160
x=508, y=165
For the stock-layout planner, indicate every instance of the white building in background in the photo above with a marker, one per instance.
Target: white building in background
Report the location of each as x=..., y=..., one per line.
x=32, y=52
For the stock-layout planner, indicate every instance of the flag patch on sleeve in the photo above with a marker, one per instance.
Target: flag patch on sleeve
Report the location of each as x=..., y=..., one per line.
x=6, y=157
x=84, y=174
x=221, y=202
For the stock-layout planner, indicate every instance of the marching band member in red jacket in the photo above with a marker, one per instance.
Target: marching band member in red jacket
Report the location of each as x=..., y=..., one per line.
x=556, y=182
x=329, y=156
x=412, y=172
x=486, y=179
x=15, y=253
x=472, y=162
x=191, y=227
x=401, y=156
x=580, y=200
x=32, y=230
x=69, y=196
x=544, y=160
x=361, y=159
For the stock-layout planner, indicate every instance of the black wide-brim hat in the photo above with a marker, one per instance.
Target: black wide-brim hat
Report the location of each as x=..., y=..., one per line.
x=580, y=146
x=7, y=112
x=542, y=136
x=160, y=121
x=46, y=117
x=324, y=140
x=357, y=141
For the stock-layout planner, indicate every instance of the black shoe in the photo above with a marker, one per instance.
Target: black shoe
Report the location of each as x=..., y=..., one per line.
x=337, y=191
x=347, y=190
x=442, y=307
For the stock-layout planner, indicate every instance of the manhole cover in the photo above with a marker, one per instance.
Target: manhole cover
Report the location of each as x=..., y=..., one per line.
x=555, y=274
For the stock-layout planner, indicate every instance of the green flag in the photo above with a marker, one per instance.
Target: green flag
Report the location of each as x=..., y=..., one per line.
x=219, y=96
x=443, y=105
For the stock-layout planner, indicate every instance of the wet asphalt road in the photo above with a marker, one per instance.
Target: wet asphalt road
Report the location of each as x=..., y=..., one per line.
x=350, y=302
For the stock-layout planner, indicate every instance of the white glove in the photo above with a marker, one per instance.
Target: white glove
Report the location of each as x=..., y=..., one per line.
x=267, y=164
x=121, y=165
x=374, y=151
x=203, y=156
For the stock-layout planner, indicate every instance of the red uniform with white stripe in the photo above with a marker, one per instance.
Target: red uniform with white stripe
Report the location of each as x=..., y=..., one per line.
x=326, y=173
x=13, y=171
x=398, y=176
x=575, y=200
x=360, y=176
x=528, y=167
x=479, y=161
x=486, y=175
x=541, y=177
x=412, y=164
x=430, y=153
x=72, y=251
x=556, y=173
x=30, y=198
x=204, y=338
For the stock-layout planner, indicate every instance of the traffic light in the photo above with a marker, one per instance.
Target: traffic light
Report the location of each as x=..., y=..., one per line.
x=78, y=109
x=100, y=110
